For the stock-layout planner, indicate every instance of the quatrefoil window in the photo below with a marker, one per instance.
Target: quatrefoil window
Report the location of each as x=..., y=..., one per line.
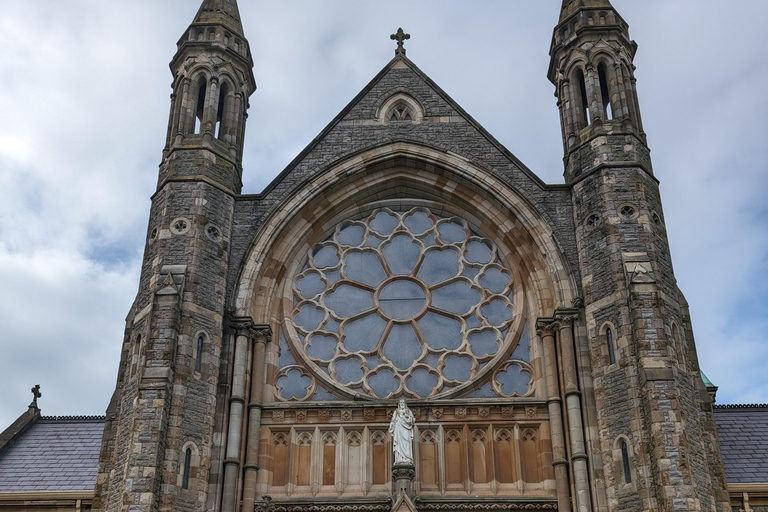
x=405, y=303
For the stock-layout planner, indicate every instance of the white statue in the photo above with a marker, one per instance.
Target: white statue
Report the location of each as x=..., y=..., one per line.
x=401, y=430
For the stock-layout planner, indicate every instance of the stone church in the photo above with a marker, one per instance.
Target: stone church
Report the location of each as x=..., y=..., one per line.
x=535, y=331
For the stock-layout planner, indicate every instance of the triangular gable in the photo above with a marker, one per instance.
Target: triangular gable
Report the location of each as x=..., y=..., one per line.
x=398, y=75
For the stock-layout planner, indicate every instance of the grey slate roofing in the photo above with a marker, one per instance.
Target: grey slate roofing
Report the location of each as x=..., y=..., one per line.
x=743, y=433
x=54, y=454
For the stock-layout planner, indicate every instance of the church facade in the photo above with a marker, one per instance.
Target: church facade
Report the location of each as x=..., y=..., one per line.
x=535, y=331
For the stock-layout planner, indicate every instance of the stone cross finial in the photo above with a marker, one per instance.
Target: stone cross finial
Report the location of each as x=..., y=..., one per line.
x=35, y=395
x=400, y=36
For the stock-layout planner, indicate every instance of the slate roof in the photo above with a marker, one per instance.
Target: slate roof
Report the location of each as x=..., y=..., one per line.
x=53, y=454
x=743, y=433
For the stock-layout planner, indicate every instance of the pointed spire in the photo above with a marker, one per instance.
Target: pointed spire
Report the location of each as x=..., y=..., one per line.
x=224, y=12
x=572, y=6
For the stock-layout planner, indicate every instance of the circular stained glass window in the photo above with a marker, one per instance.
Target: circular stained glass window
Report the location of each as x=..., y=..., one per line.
x=403, y=303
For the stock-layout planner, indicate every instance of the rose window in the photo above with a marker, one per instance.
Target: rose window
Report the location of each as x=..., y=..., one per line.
x=405, y=303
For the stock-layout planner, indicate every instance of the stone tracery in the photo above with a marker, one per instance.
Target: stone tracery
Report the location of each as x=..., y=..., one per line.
x=405, y=303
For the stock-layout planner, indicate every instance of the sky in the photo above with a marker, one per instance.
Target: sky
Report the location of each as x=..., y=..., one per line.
x=84, y=102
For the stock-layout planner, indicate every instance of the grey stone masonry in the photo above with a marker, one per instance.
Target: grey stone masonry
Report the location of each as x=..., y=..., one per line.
x=651, y=397
x=168, y=397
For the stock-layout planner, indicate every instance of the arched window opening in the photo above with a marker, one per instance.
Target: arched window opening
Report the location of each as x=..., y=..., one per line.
x=604, y=91
x=187, y=462
x=583, y=110
x=678, y=347
x=609, y=342
x=625, y=461
x=199, y=354
x=135, y=354
x=200, y=106
x=220, y=112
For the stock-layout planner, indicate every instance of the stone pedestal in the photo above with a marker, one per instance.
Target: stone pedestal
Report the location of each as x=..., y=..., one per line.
x=402, y=476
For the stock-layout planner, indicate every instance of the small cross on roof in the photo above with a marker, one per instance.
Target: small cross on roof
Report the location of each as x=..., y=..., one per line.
x=400, y=37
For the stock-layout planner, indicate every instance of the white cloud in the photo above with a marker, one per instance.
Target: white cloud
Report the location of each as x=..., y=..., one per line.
x=84, y=104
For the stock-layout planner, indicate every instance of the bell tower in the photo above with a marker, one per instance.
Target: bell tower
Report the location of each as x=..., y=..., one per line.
x=164, y=423
x=654, y=447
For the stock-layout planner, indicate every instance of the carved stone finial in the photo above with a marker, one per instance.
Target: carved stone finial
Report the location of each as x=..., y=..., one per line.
x=35, y=395
x=267, y=504
x=400, y=37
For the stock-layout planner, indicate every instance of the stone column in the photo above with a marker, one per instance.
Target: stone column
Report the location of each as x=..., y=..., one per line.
x=593, y=98
x=403, y=475
x=573, y=407
x=210, y=109
x=180, y=113
x=547, y=330
x=242, y=328
x=251, y=468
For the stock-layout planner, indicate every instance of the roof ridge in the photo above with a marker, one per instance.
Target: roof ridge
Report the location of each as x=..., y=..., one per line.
x=73, y=418
x=741, y=406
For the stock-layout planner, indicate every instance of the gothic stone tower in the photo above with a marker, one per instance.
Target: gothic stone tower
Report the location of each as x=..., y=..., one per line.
x=536, y=330
x=650, y=404
x=160, y=423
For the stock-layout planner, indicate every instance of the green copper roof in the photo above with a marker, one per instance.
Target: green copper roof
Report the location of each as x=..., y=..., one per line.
x=706, y=380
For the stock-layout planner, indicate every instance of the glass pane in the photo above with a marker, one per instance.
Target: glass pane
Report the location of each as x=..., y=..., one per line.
x=401, y=255
x=483, y=343
x=473, y=322
x=478, y=252
x=348, y=370
x=494, y=280
x=310, y=286
x=422, y=382
x=451, y=232
x=364, y=333
x=497, y=312
x=440, y=331
x=348, y=301
x=373, y=241
x=456, y=297
x=364, y=267
x=309, y=317
x=373, y=362
x=523, y=352
x=321, y=395
x=432, y=360
x=293, y=385
x=352, y=235
x=418, y=222
x=383, y=383
x=428, y=240
x=331, y=325
x=402, y=347
x=471, y=272
x=322, y=347
x=284, y=356
x=439, y=266
x=333, y=277
x=326, y=257
x=514, y=380
x=484, y=392
x=384, y=223
x=402, y=300
x=457, y=368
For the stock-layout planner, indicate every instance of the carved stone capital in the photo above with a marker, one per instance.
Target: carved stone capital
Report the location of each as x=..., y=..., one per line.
x=546, y=327
x=245, y=326
x=403, y=472
x=242, y=325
